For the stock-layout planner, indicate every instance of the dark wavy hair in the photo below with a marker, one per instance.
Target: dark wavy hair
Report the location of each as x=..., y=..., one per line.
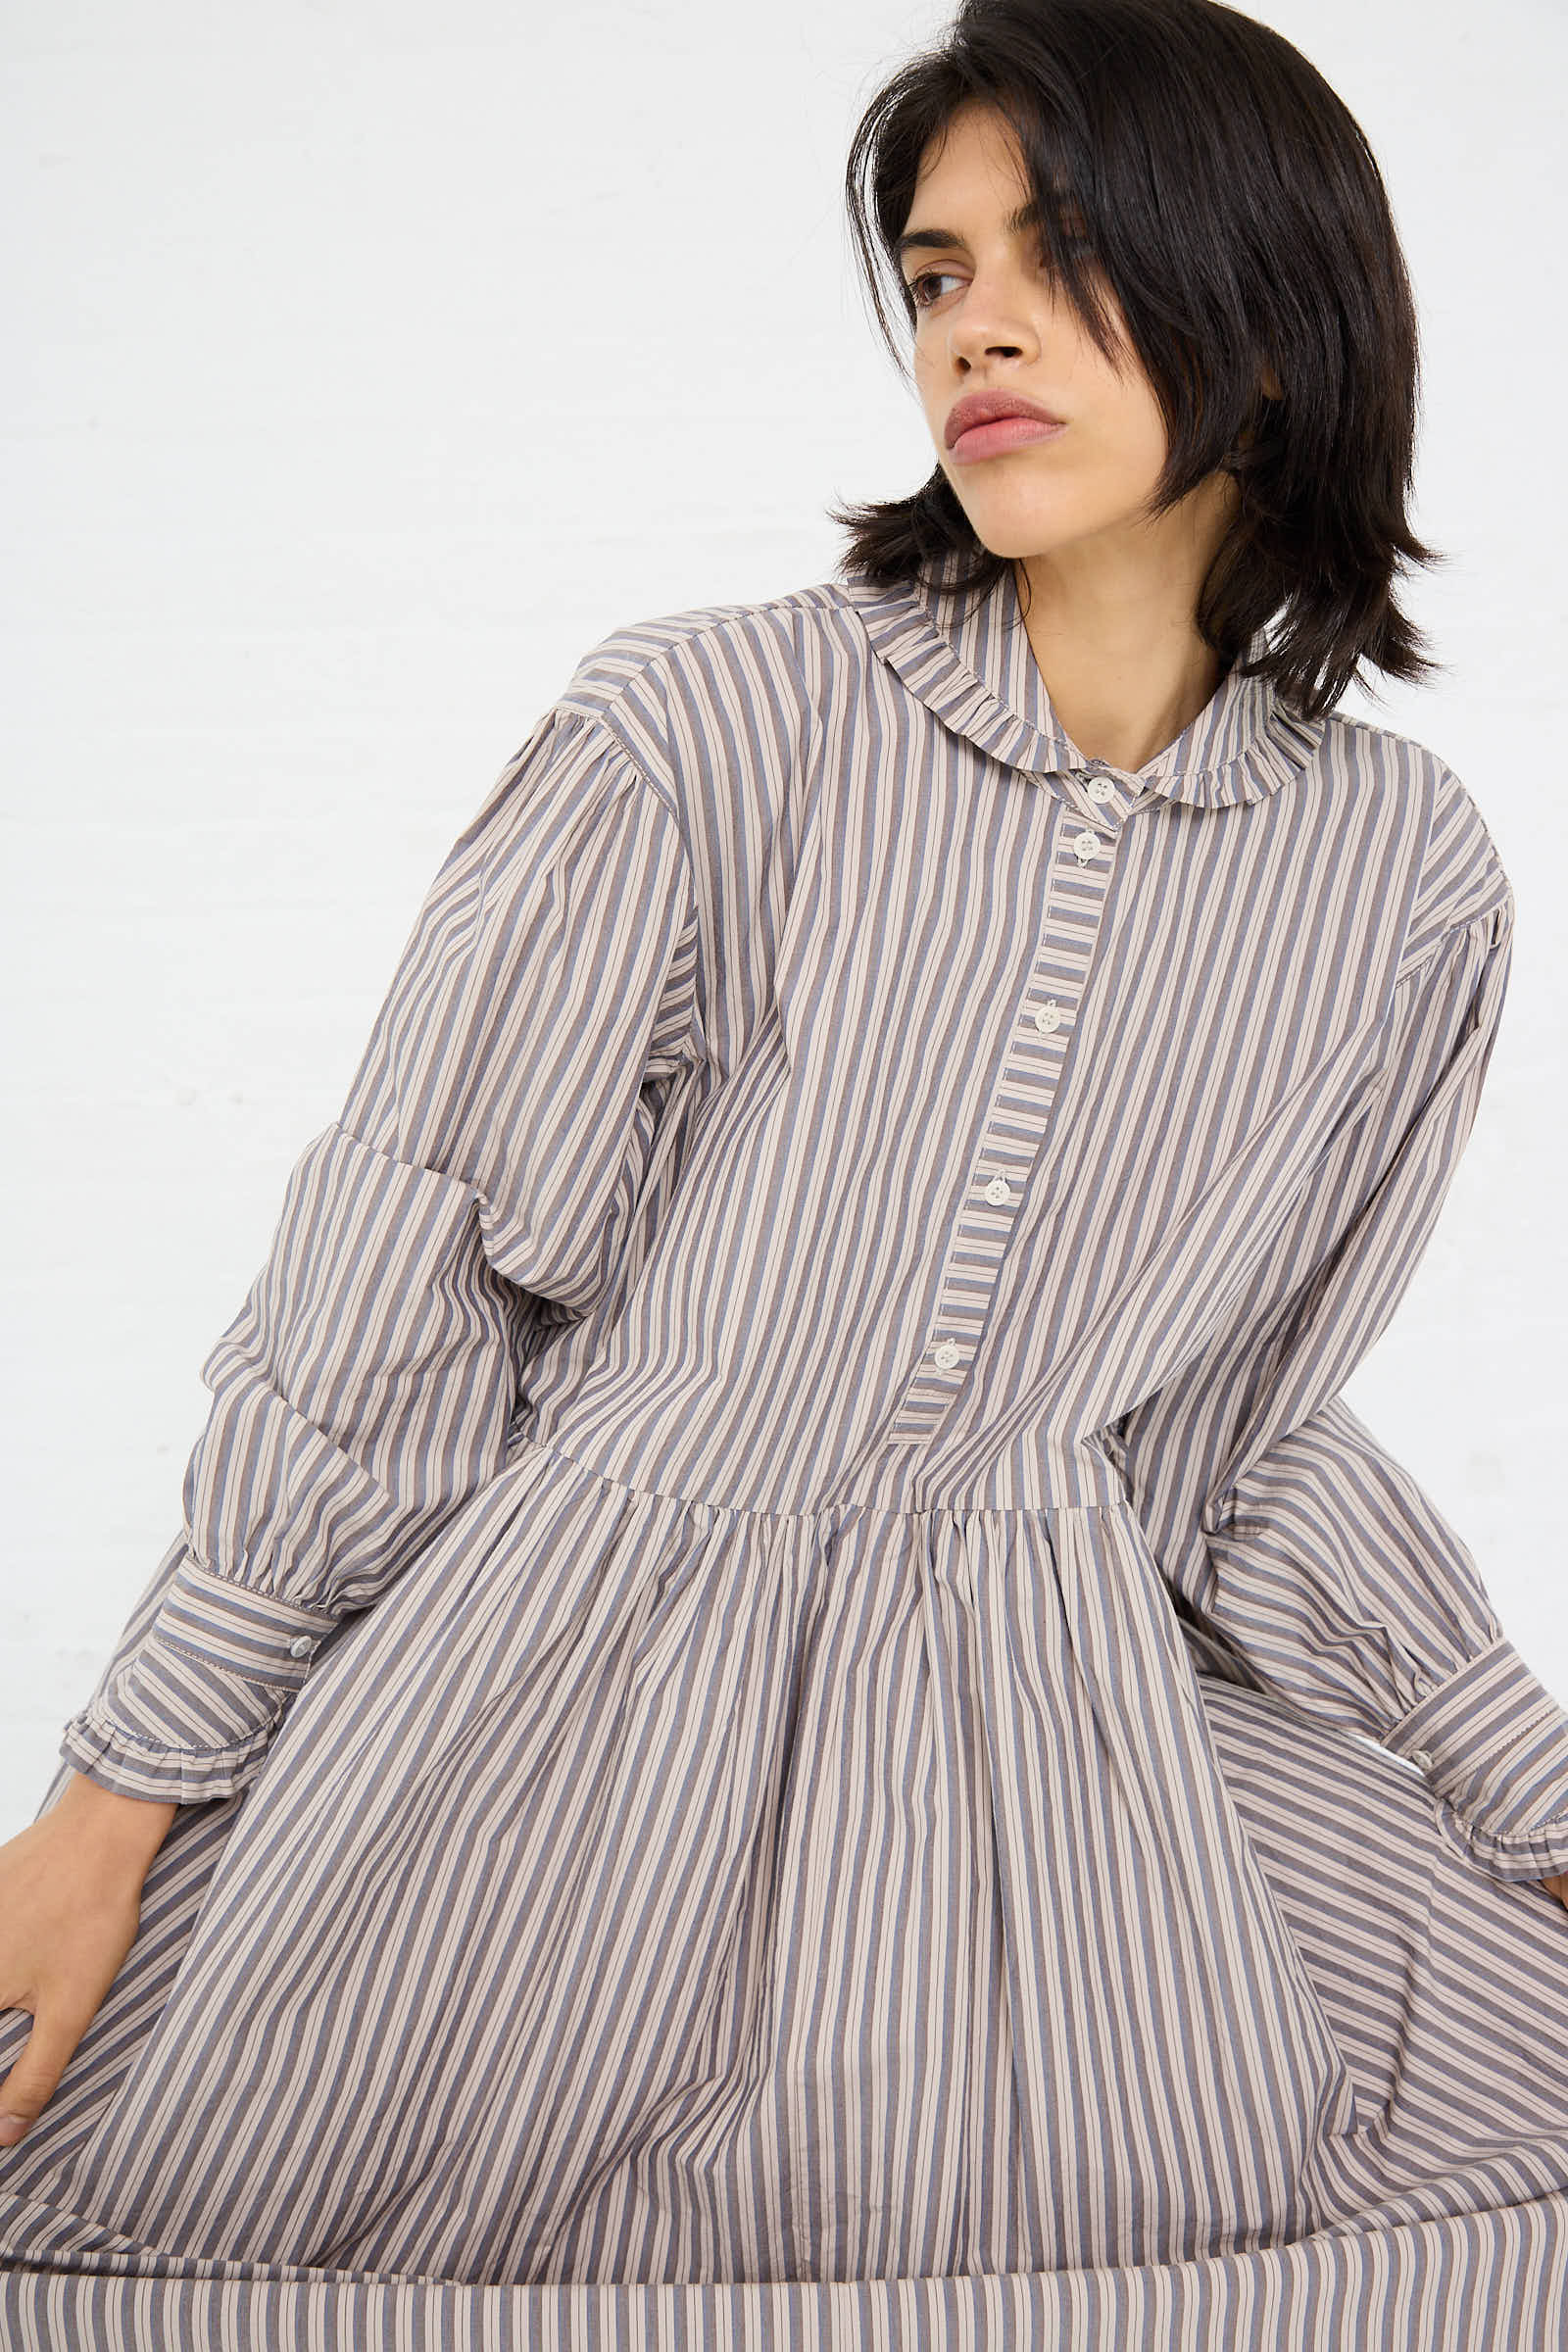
x=1236, y=211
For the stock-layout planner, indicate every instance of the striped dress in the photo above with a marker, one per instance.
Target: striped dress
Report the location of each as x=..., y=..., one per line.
x=800, y=1716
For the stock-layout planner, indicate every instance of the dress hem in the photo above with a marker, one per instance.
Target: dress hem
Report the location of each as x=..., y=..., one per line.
x=1491, y=2281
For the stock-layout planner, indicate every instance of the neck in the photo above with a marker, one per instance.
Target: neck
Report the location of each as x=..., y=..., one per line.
x=1122, y=683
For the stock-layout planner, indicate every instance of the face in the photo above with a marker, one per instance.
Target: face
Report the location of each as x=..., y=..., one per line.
x=987, y=319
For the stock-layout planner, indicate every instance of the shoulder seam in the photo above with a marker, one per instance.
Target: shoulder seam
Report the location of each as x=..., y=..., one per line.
x=602, y=709
x=1497, y=914
x=666, y=802
x=599, y=720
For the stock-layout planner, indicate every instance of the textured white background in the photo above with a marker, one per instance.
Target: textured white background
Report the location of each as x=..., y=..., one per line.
x=366, y=361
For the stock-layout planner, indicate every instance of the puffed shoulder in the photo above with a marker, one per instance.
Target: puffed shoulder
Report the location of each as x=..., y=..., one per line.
x=714, y=683
x=1462, y=878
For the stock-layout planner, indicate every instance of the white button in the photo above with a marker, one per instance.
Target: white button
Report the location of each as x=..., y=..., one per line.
x=945, y=1353
x=1086, y=844
x=996, y=1188
x=1421, y=1756
x=1100, y=788
x=1046, y=1016
x=301, y=1647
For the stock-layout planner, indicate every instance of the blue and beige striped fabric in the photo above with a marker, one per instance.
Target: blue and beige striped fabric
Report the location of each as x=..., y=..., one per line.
x=800, y=1714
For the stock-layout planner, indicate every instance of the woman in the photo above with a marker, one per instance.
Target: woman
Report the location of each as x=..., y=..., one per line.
x=788, y=1700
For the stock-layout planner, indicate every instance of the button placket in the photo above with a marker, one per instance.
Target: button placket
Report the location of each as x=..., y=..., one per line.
x=1010, y=1146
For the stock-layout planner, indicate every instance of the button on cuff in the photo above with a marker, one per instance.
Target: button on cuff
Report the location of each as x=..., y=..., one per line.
x=189, y=1711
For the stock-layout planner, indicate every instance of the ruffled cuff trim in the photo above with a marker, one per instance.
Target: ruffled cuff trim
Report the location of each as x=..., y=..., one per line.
x=189, y=1716
x=1493, y=1742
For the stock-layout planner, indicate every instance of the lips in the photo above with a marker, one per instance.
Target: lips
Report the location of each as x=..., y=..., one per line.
x=982, y=407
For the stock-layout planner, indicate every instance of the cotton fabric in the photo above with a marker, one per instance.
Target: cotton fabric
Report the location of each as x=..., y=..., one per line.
x=801, y=1713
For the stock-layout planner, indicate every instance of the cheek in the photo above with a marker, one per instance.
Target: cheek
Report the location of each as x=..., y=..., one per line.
x=1126, y=433
x=935, y=396
x=1146, y=441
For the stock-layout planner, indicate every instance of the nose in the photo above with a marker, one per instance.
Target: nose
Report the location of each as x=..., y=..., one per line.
x=985, y=327
x=998, y=350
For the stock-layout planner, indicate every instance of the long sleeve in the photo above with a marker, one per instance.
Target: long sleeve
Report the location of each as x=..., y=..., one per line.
x=474, y=1192
x=1307, y=1561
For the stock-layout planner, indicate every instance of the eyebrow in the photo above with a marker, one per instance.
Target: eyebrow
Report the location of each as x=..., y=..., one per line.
x=942, y=240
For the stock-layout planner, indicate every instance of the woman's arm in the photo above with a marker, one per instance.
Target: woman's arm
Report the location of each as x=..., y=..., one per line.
x=478, y=1184
x=1312, y=1560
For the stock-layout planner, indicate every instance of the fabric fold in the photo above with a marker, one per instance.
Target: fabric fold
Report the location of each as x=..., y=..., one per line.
x=475, y=1197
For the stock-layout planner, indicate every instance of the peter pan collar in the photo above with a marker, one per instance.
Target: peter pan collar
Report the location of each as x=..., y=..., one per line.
x=968, y=658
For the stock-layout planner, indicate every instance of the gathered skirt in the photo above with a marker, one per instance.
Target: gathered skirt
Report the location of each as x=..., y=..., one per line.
x=705, y=2004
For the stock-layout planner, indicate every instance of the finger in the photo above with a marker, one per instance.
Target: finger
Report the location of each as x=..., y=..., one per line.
x=57, y=2029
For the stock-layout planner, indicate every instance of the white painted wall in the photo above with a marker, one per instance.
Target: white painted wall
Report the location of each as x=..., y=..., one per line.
x=365, y=363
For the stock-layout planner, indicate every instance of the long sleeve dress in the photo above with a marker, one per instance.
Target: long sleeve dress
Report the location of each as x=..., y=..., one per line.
x=800, y=1714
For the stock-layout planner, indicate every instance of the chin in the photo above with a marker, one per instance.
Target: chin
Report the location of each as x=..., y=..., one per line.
x=1019, y=535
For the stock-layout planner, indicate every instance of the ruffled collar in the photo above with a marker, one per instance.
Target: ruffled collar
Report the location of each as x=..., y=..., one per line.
x=968, y=658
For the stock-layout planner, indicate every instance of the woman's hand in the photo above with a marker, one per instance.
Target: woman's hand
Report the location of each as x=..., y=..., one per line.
x=70, y=1901
x=1557, y=1886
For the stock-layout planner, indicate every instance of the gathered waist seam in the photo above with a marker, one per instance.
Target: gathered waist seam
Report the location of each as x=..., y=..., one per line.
x=832, y=1511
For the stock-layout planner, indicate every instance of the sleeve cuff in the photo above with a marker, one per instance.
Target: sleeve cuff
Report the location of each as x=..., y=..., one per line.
x=189, y=1716
x=1492, y=1743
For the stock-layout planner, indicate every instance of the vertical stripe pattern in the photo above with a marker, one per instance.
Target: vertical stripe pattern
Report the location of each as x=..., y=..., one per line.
x=798, y=1712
